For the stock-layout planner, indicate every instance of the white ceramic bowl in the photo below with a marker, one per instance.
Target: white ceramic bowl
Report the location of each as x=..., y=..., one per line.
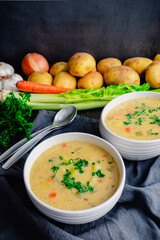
x=82, y=216
x=130, y=149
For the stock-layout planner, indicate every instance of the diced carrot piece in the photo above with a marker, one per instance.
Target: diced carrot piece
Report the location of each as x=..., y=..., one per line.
x=100, y=180
x=104, y=155
x=50, y=180
x=102, y=199
x=127, y=129
x=64, y=145
x=52, y=195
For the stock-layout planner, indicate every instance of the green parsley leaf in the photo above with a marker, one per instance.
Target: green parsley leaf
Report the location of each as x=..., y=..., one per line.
x=110, y=162
x=98, y=173
x=70, y=183
x=54, y=169
x=14, y=118
x=81, y=163
x=50, y=160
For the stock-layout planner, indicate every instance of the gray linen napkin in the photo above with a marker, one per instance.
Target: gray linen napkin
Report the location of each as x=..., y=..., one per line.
x=136, y=216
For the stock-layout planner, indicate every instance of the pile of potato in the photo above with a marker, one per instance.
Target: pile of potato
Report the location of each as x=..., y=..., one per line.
x=81, y=71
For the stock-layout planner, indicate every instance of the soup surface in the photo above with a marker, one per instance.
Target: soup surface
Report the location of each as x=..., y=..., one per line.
x=74, y=175
x=137, y=119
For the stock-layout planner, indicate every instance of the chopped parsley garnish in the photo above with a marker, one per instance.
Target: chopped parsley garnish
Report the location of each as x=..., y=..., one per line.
x=129, y=115
x=98, y=173
x=78, y=165
x=154, y=133
x=50, y=160
x=71, y=183
x=145, y=111
x=66, y=164
x=54, y=169
x=61, y=157
x=156, y=120
x=140, y=120
x=110, y=162
x=93, y=163
x=126, y=123
x=81, y=163
x=98, y=161
x=72, y=152
x=141, y=112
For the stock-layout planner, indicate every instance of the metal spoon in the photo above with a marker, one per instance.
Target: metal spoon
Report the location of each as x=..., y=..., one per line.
x=64, y=117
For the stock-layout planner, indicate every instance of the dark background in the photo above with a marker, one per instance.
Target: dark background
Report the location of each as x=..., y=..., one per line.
x=58, y=29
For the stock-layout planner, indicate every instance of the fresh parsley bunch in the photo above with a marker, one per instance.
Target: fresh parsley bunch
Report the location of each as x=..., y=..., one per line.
x=14, y=118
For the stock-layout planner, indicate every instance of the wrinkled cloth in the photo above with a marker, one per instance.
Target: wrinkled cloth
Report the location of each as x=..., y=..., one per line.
x=135, y=216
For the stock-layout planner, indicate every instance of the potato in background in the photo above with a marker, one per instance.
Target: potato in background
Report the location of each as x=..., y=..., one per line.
x=81, y=63
x=41, y=77
x=92, y=79
x=157, y=57
x=139, y=64
x=58, y=67
x=65, y=80
x=152, y=75
x=106, y=63
x=121, y=74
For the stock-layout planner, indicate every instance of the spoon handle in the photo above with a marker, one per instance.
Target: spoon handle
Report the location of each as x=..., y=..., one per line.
x=16, y=146
x=25, y=148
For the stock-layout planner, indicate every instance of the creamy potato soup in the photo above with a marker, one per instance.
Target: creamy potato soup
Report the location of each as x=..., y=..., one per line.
x=74, y=175
x=137, y=119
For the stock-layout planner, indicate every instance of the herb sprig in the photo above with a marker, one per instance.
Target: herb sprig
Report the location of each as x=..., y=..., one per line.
x=14, y=118
x=70, y=183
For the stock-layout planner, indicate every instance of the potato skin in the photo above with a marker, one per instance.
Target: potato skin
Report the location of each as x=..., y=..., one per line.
x=106, y=63
x=81, y=63
x=139, y=64
x=65, y=80
x=41, y=77
x=92, y=79
x=157, y=57
x=58, y=67
x=152, y=75
x=121, y=74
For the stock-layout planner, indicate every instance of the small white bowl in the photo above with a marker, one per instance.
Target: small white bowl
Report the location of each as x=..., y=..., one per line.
x=134, y=150
x=82, y=216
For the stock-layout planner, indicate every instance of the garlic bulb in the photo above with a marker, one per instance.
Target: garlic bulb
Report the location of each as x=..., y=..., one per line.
x=5, y=70
x=10, y=82
x=3, y=94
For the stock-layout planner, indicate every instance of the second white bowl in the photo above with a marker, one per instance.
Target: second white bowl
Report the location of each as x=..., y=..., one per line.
x=135, y=150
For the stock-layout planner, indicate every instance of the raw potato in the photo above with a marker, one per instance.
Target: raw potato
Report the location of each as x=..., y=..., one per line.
x=157, y=57
x=92, y=79
x=121, y=74
x=106, y=63
x=139, y=64
x=153, y=74
x=81, y=63
x=58, y=67
x=65, y=80
x=41, y=77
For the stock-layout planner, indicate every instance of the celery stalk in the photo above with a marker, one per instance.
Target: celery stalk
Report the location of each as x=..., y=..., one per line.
x=83, y=99
x=57, y=106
